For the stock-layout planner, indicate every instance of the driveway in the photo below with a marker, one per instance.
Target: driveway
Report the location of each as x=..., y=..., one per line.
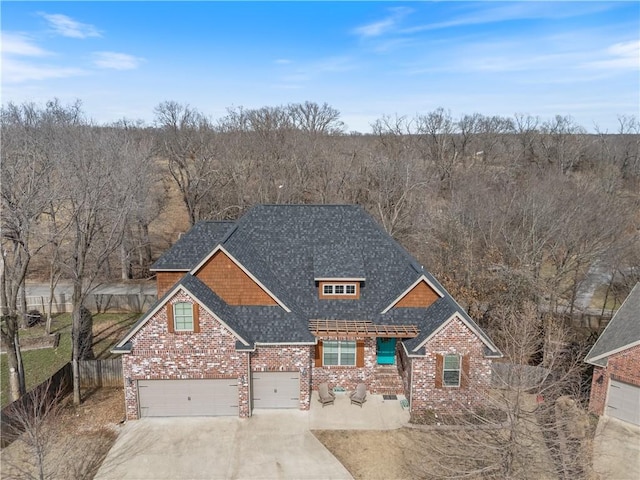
x=272, y=444
x=616, y=449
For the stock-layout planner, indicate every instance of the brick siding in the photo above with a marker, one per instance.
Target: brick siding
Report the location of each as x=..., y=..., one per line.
x=624, y=367
x=420, y=372
x=348, y=377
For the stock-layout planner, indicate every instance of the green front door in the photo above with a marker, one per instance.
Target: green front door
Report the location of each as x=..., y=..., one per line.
x=386, y=348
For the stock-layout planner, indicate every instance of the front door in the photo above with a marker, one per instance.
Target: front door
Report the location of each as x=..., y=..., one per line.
x=386, y=349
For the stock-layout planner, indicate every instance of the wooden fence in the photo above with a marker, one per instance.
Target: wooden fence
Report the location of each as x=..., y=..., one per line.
x=505, y=375
x=53, y=389
x=96, y=303
x=93, y=374
x=105, y=372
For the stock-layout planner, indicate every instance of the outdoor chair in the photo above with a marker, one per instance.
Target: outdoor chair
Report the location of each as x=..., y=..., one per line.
x=325, y=396
x=359, y=396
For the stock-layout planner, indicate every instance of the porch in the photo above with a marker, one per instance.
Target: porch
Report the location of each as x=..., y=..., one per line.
x=379, y=412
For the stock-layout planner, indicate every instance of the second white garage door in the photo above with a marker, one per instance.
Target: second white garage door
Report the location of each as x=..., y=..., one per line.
x=276, y=390
x=624, y=402
x=188, y=398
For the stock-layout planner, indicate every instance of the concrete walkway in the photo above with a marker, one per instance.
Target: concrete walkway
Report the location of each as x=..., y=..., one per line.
x=375, y=414
x=272, y=444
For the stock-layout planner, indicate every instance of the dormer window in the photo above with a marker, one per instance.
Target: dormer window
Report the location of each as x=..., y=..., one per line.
x=336, y=291
x=346, y=289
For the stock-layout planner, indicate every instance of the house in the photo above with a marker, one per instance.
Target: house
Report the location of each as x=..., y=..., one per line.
x=257, y=313
x=615, y=385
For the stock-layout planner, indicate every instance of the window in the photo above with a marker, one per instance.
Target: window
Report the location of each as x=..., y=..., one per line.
x=183, y=316
x=339, y=353
x=340, y=289
x=451, y=371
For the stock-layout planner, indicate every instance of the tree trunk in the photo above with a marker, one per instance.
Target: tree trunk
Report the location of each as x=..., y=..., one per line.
x=14, y=358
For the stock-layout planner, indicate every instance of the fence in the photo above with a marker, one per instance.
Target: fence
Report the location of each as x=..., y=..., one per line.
x=98, y=302
x=51, y=390
x=93, y=374
x=101, y=373
x=517, y=376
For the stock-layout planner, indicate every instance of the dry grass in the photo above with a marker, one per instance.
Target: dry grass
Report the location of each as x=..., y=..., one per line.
x=78, y=440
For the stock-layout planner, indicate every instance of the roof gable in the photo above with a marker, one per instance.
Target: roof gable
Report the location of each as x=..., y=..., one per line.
x=621, y=333
x=287, y=249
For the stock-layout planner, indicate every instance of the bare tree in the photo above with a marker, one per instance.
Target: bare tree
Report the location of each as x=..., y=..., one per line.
x=312, y=118
x=513, y=429
x=30, y=420
x=186, y=141
x=26, y=169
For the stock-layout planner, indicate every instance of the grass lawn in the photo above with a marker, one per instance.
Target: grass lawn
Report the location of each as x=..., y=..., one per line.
x=39, y=365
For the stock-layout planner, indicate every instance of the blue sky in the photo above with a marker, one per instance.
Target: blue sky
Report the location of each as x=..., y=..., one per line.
x=366, y=59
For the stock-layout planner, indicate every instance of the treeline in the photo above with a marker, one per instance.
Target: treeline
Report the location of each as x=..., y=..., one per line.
x=499, y=208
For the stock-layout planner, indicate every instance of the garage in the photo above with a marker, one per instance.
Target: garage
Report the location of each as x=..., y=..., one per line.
x=624, y=402
x=188, y=398
x=276, y=389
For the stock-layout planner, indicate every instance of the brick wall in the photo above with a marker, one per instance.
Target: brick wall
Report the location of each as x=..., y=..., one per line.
x=348, y=377
x=454, y=338
x=158, y=354
x=291, y=358
x=230, y=283
x=623, y=366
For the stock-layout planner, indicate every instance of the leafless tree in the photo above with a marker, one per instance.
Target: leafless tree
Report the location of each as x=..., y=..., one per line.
x=27, y=167
x=514, y=429
x=186, y=141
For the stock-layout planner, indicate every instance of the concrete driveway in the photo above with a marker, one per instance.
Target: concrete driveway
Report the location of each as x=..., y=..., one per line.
x=272, y=444
x=616, y=449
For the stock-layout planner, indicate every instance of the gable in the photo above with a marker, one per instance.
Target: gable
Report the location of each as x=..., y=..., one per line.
x=166, y=280
x=222, y=275
x=421, y=295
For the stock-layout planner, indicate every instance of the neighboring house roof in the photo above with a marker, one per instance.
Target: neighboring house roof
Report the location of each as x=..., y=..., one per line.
x=621, y=333
x=287, y=248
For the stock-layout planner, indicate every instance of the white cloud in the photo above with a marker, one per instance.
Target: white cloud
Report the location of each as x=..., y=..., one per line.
x=21, y=45
x=385, y=25
x=68, y=27
x=116, y=61
x=283, y=61
x=620, y=56
x=14, y=71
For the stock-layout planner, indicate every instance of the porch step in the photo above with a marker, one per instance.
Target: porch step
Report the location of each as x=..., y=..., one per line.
x=387, y=381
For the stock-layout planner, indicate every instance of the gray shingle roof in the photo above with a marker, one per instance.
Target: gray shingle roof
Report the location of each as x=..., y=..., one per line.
x=623, y=330
x=193, y=246
x=338, y=261
x=286, y=247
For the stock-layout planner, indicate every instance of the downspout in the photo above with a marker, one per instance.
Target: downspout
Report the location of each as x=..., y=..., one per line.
x=410, y=385
x=249, y=384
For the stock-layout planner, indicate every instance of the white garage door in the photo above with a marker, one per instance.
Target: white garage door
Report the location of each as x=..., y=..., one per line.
x=188, y=398
x=276, y=389
x=624, y=402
